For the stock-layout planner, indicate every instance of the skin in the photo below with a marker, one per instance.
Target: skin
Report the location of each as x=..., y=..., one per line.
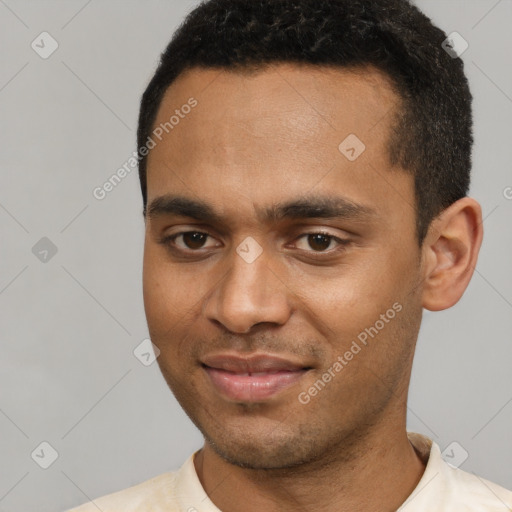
x=253, y=140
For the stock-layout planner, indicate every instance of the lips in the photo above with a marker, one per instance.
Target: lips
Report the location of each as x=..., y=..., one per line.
x=258, y=363
x=253, y=378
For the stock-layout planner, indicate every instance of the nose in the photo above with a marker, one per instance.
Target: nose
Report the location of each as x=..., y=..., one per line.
x=249, y=294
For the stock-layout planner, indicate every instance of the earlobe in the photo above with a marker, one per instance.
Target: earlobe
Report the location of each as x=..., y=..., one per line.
x=450, y=253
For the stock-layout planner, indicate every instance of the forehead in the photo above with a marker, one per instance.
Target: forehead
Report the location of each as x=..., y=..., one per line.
x=274, y=133
x=295, y=101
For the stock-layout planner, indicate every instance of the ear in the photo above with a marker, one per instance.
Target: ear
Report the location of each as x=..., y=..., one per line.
x=450, y=252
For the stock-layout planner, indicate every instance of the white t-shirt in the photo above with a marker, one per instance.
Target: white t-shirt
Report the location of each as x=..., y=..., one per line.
x=442, y=488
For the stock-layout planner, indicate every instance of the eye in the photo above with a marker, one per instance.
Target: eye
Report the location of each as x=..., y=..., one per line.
x=194, y=241
x=190, y=240
x=320, y=242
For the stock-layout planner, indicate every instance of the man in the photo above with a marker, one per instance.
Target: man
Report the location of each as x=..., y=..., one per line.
x=304, y=168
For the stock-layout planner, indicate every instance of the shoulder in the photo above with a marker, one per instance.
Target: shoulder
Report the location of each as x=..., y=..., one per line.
x=476, y=493
x=446, y=488
x=154, y=493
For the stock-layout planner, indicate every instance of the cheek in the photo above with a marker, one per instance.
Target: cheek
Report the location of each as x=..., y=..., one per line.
x=174, y=295
x=167, y=292
x=166, y=314
x=353, y=300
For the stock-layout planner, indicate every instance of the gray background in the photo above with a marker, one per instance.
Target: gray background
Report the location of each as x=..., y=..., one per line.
x=68, y=375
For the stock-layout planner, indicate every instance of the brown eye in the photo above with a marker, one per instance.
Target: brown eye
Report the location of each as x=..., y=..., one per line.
x=189, y=240
x=194, y=239
x=319, y=241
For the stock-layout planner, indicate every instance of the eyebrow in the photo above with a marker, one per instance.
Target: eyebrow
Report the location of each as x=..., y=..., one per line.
x=325, y=207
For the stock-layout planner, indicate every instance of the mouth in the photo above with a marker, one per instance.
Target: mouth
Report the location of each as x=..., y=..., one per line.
x=252, y=379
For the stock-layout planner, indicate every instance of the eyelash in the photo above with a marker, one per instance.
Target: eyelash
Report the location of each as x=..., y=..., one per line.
x=342, y=243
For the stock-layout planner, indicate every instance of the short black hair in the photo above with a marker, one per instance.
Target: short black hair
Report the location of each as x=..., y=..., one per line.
x=432, y=133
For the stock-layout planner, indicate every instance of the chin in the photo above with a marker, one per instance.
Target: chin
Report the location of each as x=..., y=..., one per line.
x=253, y=457
x=273, y=449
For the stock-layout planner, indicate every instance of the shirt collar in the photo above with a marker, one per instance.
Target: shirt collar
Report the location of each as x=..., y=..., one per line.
x=192, y=497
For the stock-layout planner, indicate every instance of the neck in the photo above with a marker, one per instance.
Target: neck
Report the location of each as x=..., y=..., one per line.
x=375, y=472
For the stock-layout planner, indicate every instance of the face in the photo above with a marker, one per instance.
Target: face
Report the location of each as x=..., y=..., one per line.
x=265, y=236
